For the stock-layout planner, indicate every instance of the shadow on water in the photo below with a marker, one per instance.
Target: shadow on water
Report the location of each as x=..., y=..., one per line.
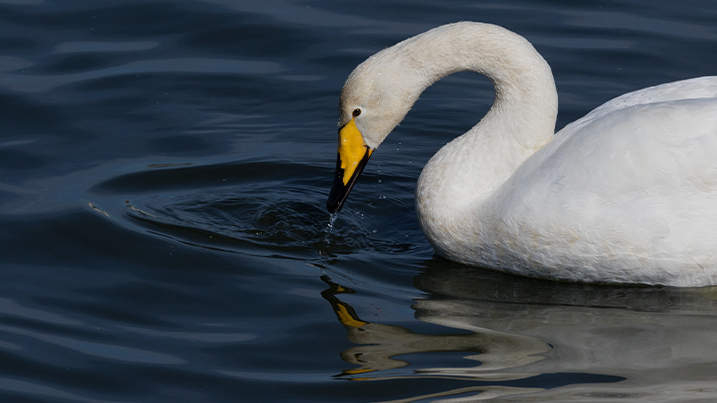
x=447, y=280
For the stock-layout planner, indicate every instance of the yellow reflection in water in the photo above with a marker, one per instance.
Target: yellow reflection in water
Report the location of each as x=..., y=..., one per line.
x=378, y=345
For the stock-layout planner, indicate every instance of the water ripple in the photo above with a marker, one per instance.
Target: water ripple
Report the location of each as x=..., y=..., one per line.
x=43, y=83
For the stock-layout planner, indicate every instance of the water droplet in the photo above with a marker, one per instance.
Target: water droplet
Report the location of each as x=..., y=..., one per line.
x=374, y=230
x=329, y=228
x=380, y=180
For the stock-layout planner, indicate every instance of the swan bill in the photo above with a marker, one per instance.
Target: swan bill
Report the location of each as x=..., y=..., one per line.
x=353, y=154
x=340, y=191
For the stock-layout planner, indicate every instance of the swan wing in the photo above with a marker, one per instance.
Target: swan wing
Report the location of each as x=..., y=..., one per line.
x=700, y=87
x=626, y=194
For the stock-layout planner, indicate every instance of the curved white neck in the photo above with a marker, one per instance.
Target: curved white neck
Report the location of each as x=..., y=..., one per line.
x=465, y=172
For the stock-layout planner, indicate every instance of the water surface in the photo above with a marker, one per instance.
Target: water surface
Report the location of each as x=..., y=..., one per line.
x=164, y=167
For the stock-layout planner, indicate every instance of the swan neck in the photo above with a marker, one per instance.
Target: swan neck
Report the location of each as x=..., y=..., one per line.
x=523, y=80
x=458, y=180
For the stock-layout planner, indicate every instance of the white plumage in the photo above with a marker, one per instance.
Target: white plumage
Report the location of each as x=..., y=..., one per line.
x=627, y=194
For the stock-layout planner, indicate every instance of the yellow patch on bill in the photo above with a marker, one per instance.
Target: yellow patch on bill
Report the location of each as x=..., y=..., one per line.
x=351, y=149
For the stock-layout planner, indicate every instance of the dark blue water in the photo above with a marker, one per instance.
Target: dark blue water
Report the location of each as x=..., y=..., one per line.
x=164, y=167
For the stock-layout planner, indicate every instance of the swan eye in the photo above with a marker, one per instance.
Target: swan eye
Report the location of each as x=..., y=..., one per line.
x=356, y=112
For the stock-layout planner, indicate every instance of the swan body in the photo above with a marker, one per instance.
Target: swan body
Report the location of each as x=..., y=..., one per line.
x=626, y=194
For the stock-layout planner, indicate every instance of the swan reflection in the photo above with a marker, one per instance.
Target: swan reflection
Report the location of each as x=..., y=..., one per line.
x=616, y=342
x=517, y=335
x=489, y=351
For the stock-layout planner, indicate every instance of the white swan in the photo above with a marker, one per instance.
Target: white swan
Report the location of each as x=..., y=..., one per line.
x=627, y=194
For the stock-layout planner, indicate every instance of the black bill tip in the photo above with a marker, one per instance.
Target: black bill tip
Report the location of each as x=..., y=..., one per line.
x=340, y=191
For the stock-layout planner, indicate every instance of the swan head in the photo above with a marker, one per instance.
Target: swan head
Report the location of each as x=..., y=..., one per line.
x=373, y=102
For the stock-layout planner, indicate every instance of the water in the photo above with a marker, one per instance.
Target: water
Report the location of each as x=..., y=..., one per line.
x=164, y=167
